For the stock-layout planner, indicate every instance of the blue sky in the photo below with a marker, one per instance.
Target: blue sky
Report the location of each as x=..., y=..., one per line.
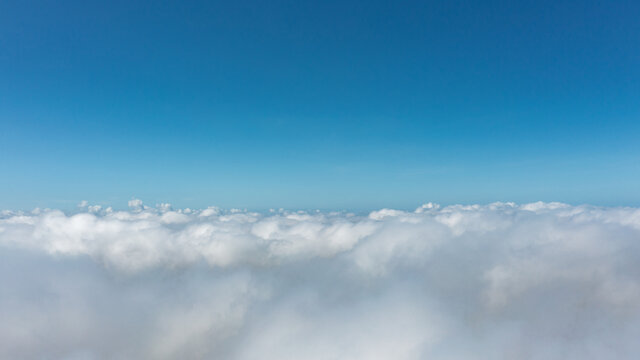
x=331, y=104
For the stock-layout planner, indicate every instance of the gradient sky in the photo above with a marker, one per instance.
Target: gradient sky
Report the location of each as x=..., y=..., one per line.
x=327, y=104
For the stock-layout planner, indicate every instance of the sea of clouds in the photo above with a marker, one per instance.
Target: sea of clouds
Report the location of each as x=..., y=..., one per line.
x=498, y=281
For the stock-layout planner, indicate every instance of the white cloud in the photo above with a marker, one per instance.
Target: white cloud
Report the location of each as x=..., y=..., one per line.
x=533, y=281
x=135, y=204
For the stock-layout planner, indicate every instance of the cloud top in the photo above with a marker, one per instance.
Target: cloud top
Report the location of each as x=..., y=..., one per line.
x=532, y=281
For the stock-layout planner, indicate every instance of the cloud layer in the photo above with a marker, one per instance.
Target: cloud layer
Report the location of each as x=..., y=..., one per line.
x=498, y=281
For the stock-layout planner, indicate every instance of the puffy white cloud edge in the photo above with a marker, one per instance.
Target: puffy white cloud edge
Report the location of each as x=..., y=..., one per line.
x=532, y=281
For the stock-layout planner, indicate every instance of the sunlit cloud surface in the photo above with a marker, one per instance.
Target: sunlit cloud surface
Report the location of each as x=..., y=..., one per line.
x=498, y=281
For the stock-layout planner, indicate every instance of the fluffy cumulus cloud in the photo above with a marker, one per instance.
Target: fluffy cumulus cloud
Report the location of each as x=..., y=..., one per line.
x=498, y=281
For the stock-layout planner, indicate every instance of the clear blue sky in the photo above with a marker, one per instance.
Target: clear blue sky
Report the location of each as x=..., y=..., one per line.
x=319, y=104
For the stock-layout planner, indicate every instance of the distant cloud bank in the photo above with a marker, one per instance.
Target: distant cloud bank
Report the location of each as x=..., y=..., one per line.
x=498, y=281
